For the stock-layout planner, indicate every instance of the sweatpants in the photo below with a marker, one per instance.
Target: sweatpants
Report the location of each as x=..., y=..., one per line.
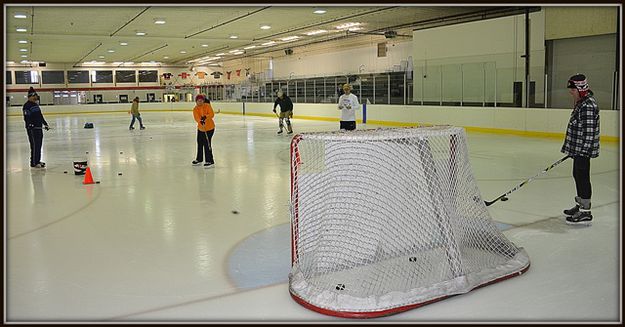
x=35, y=139
x=581, y=174
x=204, y=146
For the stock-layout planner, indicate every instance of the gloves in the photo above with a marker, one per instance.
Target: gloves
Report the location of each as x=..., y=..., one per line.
x=274, y=110
x=46, y=127
x=203, y=120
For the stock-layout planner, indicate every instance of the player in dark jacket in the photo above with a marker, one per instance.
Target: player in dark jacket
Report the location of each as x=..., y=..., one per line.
x=35, y=123
x=581, y=143
x=286, y=111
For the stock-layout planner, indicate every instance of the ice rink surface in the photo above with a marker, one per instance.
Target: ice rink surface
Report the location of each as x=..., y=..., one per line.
x=160, y=242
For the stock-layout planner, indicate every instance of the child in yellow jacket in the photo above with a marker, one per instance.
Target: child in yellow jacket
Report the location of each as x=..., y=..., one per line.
x=203, y=114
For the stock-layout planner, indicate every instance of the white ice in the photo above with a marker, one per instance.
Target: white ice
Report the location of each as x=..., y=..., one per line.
x=161, y=242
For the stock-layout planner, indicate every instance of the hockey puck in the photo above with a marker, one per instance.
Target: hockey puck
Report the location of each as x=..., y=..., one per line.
x=97, y=182
x=235, y=212
x=121, y=152
x=119, y=174
x=65, y=172
x=87, y=152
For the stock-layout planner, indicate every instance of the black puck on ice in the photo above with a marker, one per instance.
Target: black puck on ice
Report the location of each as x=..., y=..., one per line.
x=65, y=172
x=121, y=152
x=235, y=212
x=97, y=182
x=87, y=152
x=119, y=174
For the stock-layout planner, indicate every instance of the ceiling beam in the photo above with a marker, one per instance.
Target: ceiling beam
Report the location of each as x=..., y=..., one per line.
x=228, y=22
x=130, y=21
x=85, y=56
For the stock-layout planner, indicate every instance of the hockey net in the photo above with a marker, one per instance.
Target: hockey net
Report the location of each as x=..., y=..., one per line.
x=386, y=220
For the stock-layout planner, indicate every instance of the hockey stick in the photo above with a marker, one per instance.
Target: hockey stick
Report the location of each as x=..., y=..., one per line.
x=503, y=196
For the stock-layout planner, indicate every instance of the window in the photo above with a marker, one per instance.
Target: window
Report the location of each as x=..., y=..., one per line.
x=148, y=76
x=397, y=88
x=77, y=76
x=26, y=77
x=102, y=76
x=125, y=76
x=366, y=87
x=381, y=88
x=9, y=79
x=53, y=77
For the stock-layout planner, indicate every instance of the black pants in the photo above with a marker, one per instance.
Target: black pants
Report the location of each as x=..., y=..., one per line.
x=581, y=174
x=35, y=139
x=348, y=125
x=204, y=146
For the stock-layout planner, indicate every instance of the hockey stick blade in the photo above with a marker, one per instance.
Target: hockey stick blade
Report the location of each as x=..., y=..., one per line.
x=488, y=203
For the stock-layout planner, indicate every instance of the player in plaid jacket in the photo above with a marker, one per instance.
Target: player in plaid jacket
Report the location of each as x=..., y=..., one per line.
x=582, y=143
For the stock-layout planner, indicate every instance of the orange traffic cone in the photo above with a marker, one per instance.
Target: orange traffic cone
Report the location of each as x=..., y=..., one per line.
x=88, y=178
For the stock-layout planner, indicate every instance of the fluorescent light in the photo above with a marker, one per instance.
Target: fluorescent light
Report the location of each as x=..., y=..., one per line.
x=24, y=56
x=204, y=45
x=165, y=57
x=290, y=38
x=22, y=41
x=24, y=61
x=234, y=37
x=23, y=50
x=123, y=43
x=315, y=32
x=354, y=29
x=220, y=54
x=159, y=21
x=250, y=47
x=20, y=16
x=265, y=27
x=10, y=62
x=233, y=51
x=269, y=43
x=101, y=57
x=110, y=50
x=238, y=53
x=213, y=64
x=140, y=33
x=183, y=52
x=347, y=25
x=319, y=11
x=21, y=29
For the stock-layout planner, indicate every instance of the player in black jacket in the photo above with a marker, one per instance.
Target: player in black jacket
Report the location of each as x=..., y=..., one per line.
x=286, y=111
x=35, y=123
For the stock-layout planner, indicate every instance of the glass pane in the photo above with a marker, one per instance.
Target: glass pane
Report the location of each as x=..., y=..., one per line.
x=366, y=88
x=330, y=90
x=9, y=79
x=24, y=77
x=473, y=84
x=77, y=76
x=432, y=85
x=148, y=76
x=299, y=92
x=508, y=91
x=103, y=76
x=491, y=77
x=125, y=76
x=312, y=88
x=416, y=95
x=53, y=77
x=452, y=85
x=381, y=89
x=397, y=88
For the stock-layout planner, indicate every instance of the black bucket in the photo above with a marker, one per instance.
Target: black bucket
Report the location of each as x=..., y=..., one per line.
x=80, y=167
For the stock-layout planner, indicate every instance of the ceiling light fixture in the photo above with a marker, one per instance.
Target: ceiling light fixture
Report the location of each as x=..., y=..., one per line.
x=220, y=54
x=234, y=37
x=250, y=47
x=269, y=43
x=319, y=11
x=23, y=50
x=20, y=15
x=24, y=56
x=140, y=33
x=183, y=52
x=110, y=50
x=265, y=27
x=123, y=43
x=204, y=45
x=22, y=41
x=311, y=33
x=290, y=38
x=347, y=25
x=165, y=57
x=159, y=21
x=21, y=29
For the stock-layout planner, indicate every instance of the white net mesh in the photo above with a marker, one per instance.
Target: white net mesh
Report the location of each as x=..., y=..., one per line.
x=385, y=220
